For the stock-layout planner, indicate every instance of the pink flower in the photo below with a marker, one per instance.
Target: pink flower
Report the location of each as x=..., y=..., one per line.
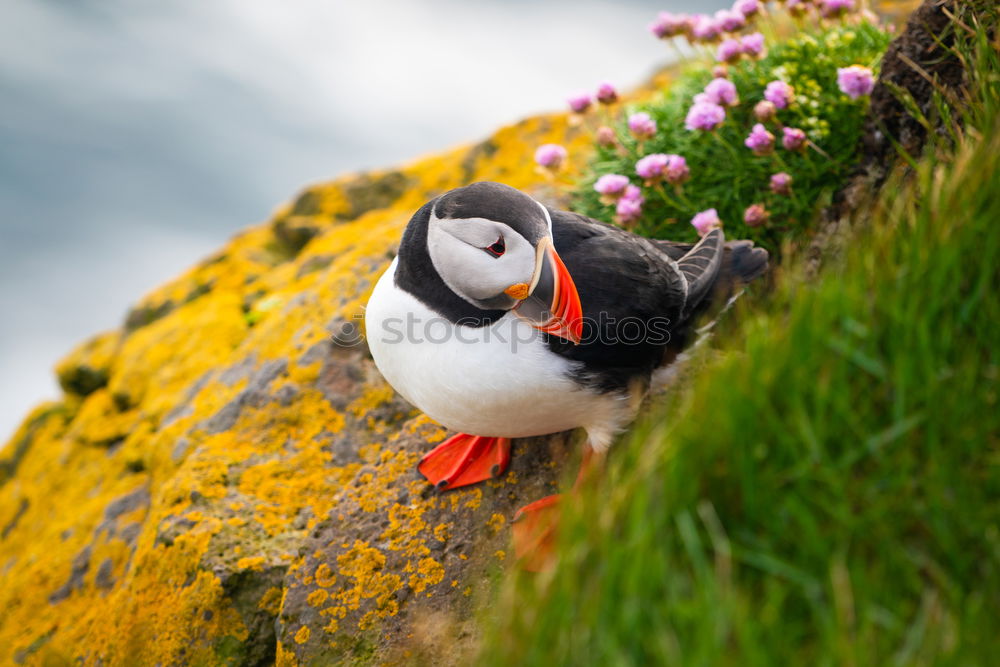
x=550, y=156
x=706, y=221
x=781, y=183
x=629, y=207
x=677, y=170
x=765, y=111
x=651, y=167
x=670, y=25
x=704, y=116
x=722, y=92
x=760, y=141
x=797, y=7
x=779, y=93
x=747, y=7
x=794, y=139
x=729, y=51
x=832, y=8
x=855, y=81
x=634, y=193
x=580, y=102
x=611, y=185
x=752, y=44
x=641, y=125
x=606, y=93
x=658, y=166
x=705, y=28
x=720, y=72
x=606, y=137
x=755, y=215
x=729, y=20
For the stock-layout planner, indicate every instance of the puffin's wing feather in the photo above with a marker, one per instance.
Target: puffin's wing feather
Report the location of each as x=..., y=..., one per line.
x=700, y=267
x=616, y=272
x=627, y=286
x=672, y=249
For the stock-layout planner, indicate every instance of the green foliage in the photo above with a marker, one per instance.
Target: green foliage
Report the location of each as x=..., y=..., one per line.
x=725, y=174
x=826, y=491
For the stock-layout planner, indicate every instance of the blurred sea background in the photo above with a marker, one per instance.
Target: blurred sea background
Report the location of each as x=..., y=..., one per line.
x=136, y=138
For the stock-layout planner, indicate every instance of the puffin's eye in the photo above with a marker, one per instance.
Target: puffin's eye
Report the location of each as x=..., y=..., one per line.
x=497, y=248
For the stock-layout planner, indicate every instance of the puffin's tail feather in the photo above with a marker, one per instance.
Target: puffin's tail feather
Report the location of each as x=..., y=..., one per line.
x=742, y=262
x=701, y=267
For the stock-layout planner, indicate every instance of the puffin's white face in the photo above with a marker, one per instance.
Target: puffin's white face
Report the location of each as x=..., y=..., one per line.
x=485, y=262
x=506, y=264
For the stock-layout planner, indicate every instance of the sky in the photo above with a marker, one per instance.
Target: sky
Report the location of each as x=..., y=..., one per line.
x=135, y=138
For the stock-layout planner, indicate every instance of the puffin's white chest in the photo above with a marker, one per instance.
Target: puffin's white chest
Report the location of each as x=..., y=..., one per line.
x=498, y=380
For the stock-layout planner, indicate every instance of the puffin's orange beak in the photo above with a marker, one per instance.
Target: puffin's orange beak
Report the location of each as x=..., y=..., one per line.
x=552, y=304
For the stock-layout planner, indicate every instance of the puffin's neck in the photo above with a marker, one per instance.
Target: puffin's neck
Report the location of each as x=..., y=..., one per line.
x=415, y=273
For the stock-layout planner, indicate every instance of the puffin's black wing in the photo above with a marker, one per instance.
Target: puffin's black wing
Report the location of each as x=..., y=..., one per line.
x=635, y=298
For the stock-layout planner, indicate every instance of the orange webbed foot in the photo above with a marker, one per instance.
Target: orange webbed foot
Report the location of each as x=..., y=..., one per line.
x=465, y=459
x=534, y=529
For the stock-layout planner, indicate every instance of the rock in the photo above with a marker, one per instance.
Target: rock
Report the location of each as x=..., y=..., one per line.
x=224, y=474
x=88, y=367
x=922, y=50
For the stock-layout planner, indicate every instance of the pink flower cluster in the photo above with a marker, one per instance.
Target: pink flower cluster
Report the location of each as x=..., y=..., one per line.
x=760, y=141
x=629, y=206
x=732, y=49
x=834, y=8
x=627, y=198
x=611, y=186
x=606, y=137
x=719, y=91
x=733, y=35
x=641, y=125
x=765, y=111
x=779, y=93
x=755, y=215
x=793, y=139
x=550, y=156
x=855, y=81
x=662, y=167
x=708, y=110
x=669, y=25
x=706, y=221
x=581, y=101
x=781, y=183
x=606, y=93
x=706, y=28
x=725, y=24
x=704, y=116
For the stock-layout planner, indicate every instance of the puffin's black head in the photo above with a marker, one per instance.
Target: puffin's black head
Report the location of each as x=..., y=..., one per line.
x=492, y=246
x=498, y=203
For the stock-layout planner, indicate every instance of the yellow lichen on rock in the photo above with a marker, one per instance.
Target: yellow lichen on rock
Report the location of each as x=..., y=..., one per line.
x=155, y=513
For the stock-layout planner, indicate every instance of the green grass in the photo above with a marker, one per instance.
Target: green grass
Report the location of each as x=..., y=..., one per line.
x=726, y=175
x=826, y=489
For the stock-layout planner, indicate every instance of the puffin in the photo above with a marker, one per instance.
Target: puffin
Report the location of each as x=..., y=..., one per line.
x=503, y=318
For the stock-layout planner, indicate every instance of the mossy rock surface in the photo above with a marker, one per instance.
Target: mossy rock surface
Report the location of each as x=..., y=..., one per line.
x=228, y=479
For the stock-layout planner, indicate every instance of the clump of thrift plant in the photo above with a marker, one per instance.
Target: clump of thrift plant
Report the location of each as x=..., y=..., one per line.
x=726, y=141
